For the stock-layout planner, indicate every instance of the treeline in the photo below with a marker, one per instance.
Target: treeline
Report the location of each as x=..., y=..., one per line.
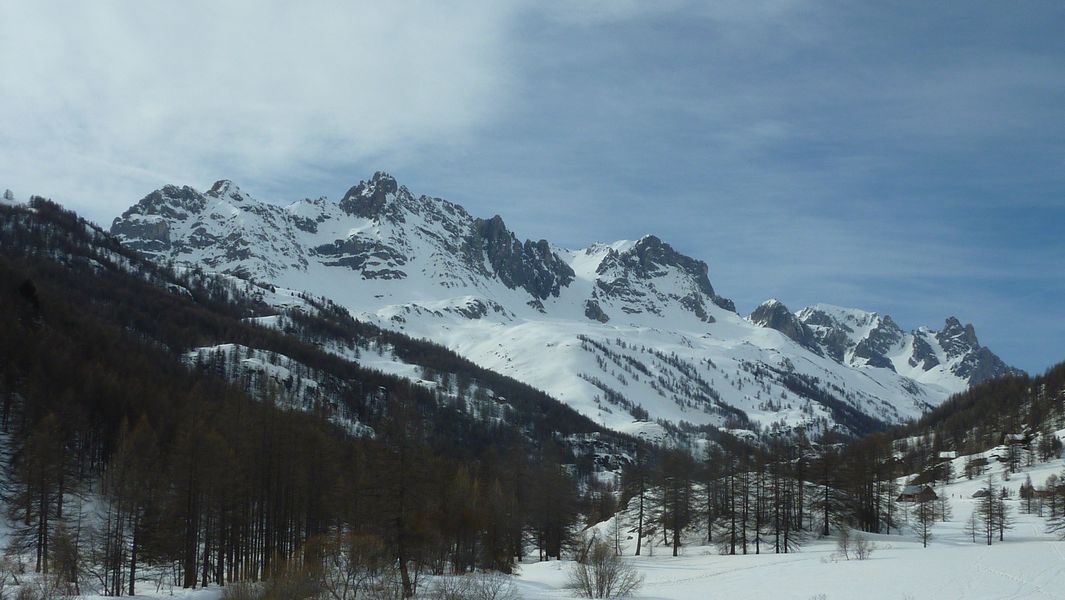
x=744, y=500
x=977, y=418
x=1016, y=414
x=124, y=464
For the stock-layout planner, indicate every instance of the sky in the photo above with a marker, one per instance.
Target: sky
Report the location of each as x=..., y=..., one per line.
x=901, y=157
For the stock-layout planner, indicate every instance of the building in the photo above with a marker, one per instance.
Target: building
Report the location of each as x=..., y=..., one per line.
x=916, y=493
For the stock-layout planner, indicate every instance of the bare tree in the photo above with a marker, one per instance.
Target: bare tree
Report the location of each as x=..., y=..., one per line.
x=925, y=514
x=972, y=526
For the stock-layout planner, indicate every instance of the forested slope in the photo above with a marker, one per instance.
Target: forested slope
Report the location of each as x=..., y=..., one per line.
x=192, y=467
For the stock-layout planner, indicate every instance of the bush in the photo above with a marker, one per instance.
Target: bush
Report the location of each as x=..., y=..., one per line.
x=243, y=591
x=479, y=586
x=604, y=574
x=44, y=587
x=863, y=547
x=843, y=543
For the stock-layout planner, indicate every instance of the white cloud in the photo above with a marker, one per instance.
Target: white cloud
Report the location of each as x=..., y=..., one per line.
x=102, y=100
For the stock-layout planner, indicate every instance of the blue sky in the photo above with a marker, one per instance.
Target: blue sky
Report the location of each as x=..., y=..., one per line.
x=903, y=157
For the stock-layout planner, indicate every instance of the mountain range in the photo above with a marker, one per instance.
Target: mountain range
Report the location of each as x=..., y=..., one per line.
x=626, y=333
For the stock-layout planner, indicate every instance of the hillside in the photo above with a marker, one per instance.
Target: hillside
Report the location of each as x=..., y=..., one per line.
x=170, y=415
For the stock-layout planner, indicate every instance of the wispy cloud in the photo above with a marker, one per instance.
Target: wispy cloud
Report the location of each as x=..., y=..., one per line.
x=902, y=157
x=101, y=97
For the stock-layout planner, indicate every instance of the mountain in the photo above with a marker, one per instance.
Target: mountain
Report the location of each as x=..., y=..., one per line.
x=622, y=332
x=951, y=357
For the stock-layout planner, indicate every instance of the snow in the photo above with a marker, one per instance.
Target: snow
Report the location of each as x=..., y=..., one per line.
x=543, y=348
x=1028, y=564
x=859, y=324
x=897, y=570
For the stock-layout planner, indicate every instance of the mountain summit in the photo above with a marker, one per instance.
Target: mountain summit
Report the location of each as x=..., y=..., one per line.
x=623, y=332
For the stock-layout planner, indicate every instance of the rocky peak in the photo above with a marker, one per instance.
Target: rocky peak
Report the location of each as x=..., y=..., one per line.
x=146, y=225
x=957, y=338
x=775, y=315
x=375, y=199
x=650, y=256
x=529, y=265
x=224, y=188
x=170, y=201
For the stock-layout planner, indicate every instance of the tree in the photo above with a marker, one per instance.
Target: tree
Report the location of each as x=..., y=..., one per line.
x=1054, y=493
x=39, y=487
x=1003, y=514
x=1013, y=457
x=1027, y=493
x=634, y=486
x=843, y=542
x=993, y=512
x=972, y=525
x=402, y=486
x=676, y=495
x=352, y=563
x=555, y=511
x=943, y=508
x=925, y=514
x=127, y=491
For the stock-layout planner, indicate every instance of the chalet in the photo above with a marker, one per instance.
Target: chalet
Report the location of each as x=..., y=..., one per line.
x=948, y=455
x=917, y=493
x=1016, y=439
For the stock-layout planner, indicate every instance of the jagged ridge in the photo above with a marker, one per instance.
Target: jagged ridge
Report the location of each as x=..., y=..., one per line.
x=637, y=318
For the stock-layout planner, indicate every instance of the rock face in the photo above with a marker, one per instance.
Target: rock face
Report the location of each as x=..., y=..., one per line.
x=649, y=276
x=774, y=315
x=951, y=357
x=631, y=329
x=973, y=362
x=532, y=266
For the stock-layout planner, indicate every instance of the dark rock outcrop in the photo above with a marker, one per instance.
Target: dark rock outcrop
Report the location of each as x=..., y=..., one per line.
x=529, y=265
x=775, y=315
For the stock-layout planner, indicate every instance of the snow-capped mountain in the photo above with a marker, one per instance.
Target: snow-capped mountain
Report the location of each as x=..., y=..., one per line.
x=622, y=330
x=951, y=357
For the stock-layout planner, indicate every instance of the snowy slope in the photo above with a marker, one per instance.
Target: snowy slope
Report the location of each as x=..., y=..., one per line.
x=622, y=330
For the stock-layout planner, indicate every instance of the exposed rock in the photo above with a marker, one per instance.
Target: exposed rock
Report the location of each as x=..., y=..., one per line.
x=959, y=352
x=880, y=340
x=774, y=315
x=365, y=256
x=531, y=266
x=646, y=259
x=593, y=311
x=923, y=354
x=374, y=199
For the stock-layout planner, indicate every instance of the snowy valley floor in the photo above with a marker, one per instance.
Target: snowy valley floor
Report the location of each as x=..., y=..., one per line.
x=1028, y=564
x=1031, y=566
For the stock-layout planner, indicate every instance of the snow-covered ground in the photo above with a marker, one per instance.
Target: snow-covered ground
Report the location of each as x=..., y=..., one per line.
x=1028, y=564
